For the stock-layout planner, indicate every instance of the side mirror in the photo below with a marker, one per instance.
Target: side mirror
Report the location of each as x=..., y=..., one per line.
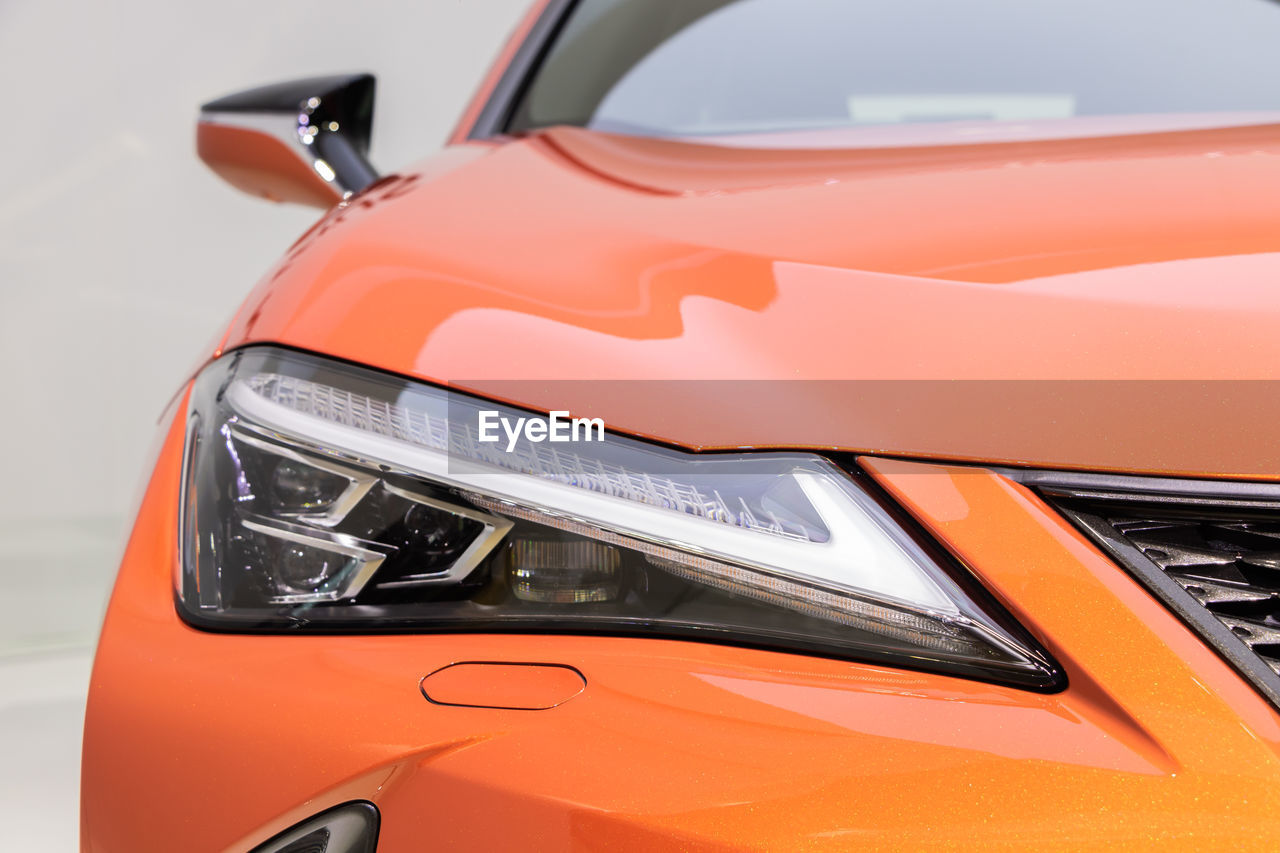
x=304, y=141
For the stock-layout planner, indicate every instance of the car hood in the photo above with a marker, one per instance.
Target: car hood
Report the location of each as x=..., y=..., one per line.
x=1106, y=302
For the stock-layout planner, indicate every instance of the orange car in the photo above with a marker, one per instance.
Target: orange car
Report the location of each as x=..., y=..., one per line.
x=768, y=424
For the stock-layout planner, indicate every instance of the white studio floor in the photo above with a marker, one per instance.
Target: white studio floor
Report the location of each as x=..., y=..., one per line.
x=55, y=584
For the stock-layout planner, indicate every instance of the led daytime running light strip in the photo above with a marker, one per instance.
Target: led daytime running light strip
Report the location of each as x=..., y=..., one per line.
x=424, y=430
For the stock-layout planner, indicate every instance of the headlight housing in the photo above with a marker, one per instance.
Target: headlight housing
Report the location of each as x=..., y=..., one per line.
x=319, y=496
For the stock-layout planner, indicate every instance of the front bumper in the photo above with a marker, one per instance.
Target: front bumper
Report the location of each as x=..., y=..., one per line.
x=204, y=741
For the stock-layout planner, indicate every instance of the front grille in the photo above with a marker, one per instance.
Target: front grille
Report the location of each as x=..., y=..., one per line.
x=1209, y=551
x=1231, y=567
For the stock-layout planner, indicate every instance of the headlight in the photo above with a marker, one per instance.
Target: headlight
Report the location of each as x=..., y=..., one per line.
x=324, y=497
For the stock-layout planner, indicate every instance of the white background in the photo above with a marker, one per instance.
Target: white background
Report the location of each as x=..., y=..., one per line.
x=121, y=257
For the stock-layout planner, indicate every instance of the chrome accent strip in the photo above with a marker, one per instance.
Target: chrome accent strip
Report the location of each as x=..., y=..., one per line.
x=359, y=482
x=335, y=543
x=495, y=529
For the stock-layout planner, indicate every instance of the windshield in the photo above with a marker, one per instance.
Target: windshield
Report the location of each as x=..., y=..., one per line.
x=705, y=68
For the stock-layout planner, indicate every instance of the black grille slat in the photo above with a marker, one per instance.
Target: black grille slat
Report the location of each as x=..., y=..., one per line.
x=1211, y=593
x=1170, y=554
x=1254, y=632
x=1269, y=561
x=1217, y=562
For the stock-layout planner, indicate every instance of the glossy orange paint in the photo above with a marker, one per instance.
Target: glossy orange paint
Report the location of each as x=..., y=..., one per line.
x=950, y=282
x=200, y=741
x=261, y=165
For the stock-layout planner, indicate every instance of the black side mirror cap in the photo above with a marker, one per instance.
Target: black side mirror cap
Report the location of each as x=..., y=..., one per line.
x=304, y=141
